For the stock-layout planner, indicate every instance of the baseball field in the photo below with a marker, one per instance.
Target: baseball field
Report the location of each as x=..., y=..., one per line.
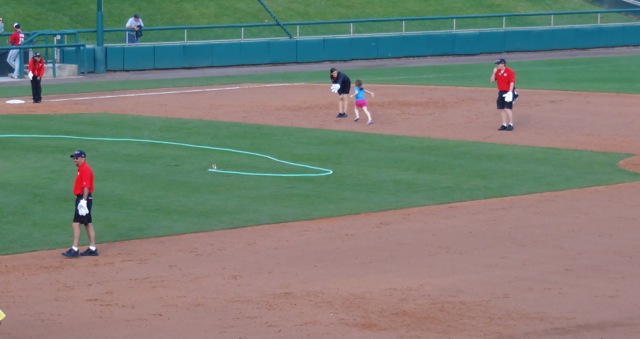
x=427, y=224
x=231, y=203
x=276, y=172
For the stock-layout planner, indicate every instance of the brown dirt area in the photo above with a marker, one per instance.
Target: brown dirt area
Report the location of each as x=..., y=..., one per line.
x=553, y=265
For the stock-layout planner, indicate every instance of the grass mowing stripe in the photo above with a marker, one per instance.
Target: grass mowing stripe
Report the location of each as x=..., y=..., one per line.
x=596, y=74
x=149, y=190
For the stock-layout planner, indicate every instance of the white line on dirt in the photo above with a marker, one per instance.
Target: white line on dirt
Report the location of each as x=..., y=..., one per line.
x=169, y=92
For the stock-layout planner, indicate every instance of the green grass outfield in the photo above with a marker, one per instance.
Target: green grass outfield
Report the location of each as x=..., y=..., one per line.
x=146, y=189
x=590, y=74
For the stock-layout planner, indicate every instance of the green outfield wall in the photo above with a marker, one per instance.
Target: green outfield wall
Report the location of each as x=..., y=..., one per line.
x=278, y=51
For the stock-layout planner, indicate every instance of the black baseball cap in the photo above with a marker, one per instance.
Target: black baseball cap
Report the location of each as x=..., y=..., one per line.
x=501, y=61
x=36, y=54
x=136, y=16
x=78, y=154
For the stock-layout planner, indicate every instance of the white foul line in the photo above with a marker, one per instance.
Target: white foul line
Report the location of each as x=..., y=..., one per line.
x=169, y=92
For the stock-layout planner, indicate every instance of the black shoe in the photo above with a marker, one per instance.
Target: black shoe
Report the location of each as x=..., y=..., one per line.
x=510, y=128
x=341, y=115
x=71, y=253
x=502, y=128
x=89, y=253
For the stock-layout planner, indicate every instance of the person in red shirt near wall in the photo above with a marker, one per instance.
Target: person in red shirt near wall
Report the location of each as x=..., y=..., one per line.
x=36, y=72
x=83, y=190
x=16, y=39
x=505, y=78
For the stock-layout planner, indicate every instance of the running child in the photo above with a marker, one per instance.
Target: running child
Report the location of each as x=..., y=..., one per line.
x=361, y=102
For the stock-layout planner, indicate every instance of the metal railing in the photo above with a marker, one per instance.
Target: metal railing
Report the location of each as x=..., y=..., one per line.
x=50, y=53
x=357, y=27
x=375, y=26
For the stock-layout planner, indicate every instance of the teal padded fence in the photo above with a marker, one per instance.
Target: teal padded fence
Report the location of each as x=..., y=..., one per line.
x=451, y=35
x=148, y=57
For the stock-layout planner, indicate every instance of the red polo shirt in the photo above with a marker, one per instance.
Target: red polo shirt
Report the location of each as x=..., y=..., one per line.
x=504, y=79
x=83, y=179
x=36, y=67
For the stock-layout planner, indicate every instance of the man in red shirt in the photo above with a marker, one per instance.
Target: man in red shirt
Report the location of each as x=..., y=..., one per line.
x=83, y=190
x=36, y=72
x=16, y=39
x=505, y=78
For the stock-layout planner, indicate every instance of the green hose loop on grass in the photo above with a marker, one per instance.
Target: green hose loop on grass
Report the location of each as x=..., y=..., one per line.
x=323, y=171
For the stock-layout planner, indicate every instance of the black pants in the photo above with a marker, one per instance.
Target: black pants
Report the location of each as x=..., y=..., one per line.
x=36, y=89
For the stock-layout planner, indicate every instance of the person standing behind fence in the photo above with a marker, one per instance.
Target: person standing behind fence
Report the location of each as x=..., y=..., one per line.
x=134, y=26
x=16, y=39
x=36, y=72
x=1, y=26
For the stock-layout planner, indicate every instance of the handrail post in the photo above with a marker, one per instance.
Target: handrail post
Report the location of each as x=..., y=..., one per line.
x=100, y=59
x=53, y=63
x=20, y=63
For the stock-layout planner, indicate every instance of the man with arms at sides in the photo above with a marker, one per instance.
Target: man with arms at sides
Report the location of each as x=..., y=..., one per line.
x=83, y=190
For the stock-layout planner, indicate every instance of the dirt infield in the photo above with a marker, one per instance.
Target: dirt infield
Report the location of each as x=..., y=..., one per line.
x=552, y=265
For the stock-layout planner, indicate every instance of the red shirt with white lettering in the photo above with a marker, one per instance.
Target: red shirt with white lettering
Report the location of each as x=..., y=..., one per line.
x=17, y=38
